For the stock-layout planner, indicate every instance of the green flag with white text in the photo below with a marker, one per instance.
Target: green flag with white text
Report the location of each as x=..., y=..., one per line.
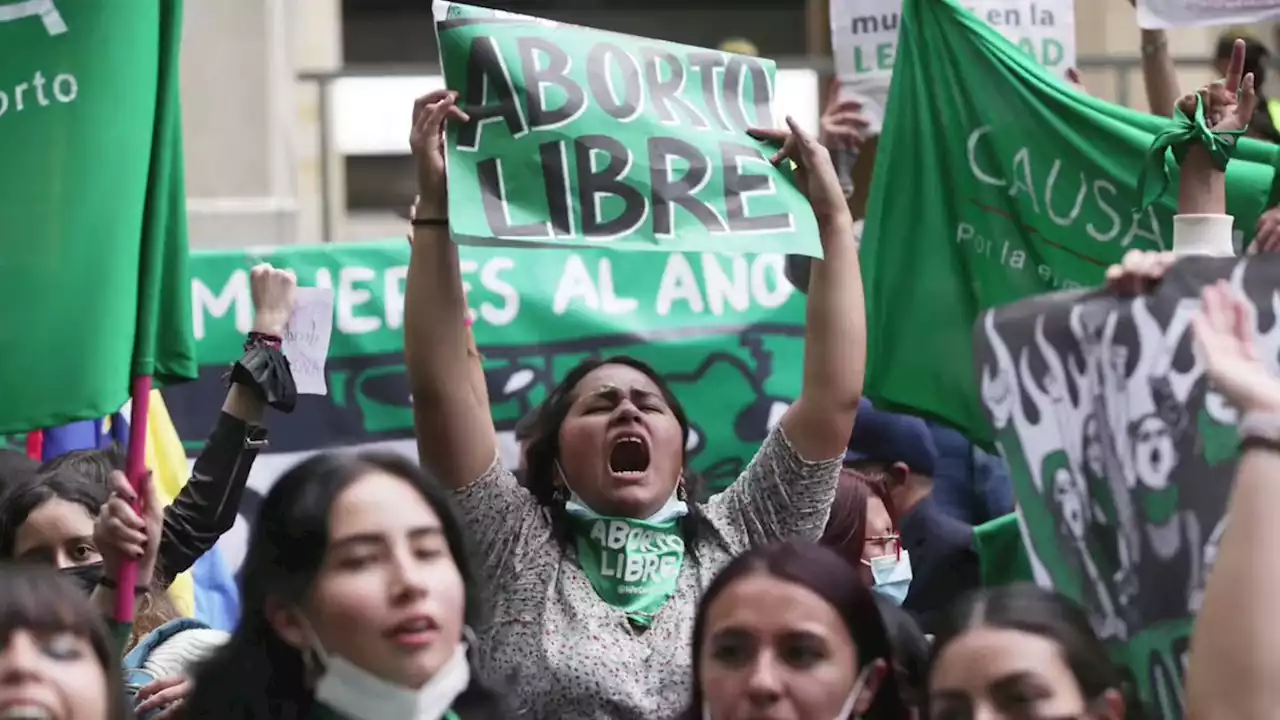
x=584, y=137
x=93, y=270
x=995, y=181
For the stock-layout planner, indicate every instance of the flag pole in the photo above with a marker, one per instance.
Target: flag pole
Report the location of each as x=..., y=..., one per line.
x=135, y=468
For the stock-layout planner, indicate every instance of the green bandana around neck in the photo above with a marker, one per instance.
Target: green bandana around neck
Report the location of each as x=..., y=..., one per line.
x=632, y=564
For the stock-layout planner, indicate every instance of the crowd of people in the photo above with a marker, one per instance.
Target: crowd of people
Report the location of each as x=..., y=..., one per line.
x=836, y=578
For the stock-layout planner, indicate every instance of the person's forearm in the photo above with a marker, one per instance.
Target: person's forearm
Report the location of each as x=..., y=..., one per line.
x=244, y=404
x=835, y=318
x=1235, y=646
x=1158, y=73
x=453, y=426
x=436, y=337
x=1202, y=188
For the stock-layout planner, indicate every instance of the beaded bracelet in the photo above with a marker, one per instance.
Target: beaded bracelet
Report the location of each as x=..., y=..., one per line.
x=257, y=339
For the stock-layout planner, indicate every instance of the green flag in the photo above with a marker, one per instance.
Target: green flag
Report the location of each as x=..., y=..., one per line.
x=93, y=271
x=584, y=137
x=994, y=181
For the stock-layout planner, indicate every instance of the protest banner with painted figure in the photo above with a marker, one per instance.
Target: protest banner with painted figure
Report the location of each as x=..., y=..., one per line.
x=864, y=41
x=1122, y=453
x=92, y=207
x=1019, y=185
x=1163, y=14
x=584, y=137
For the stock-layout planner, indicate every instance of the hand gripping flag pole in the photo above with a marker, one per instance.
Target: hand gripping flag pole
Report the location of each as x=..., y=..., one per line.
x=135, y=469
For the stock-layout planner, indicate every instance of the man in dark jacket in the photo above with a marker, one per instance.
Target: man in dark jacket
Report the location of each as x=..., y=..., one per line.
x=944, y=563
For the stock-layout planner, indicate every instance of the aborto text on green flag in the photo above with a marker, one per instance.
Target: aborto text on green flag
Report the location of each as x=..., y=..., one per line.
x=92, y=205
x=994, y=181
x=592, y=138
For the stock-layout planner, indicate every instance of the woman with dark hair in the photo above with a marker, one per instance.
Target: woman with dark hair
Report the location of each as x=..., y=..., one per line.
x=1017, y=652
x=355, y=596
x=49, y=520
x=56, y=660
x=596, y=565
x=789, y=631
x=863, y=526
x=205, y=508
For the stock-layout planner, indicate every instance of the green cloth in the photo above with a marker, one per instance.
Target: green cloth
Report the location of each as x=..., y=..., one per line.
x=93, y=257
x=1181, y=134
x=632, y=564
x=119, y=633
x=1002, y=557
x=997, y=181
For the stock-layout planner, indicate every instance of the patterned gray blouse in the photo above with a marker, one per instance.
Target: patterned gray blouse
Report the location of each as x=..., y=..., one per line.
x=564, y=653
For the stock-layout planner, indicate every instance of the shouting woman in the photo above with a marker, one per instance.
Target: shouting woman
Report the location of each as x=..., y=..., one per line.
x=595, y=565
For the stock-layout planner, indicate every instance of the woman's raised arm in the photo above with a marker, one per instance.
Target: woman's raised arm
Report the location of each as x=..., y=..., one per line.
x=835, y=340
x=456, y=439
x=1235, y=647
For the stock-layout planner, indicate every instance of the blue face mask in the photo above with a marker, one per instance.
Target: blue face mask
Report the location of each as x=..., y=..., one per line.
x=892, y=575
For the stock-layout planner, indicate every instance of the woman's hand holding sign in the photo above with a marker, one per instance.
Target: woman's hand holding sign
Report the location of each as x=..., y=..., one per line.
x=815, y=174
x=427, y=142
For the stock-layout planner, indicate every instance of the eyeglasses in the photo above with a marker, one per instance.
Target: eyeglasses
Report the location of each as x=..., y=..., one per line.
x=881, y=545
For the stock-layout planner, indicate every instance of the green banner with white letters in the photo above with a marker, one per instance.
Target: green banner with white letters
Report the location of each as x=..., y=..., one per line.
x=586, y=137
x=726, y=331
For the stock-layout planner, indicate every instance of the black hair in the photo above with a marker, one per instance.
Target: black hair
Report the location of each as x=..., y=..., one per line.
x=89, y=493
x=19, y=502
x=1030, y=609
x=94, y=464
x=820, y=570
x=15, y=469
x=41, y=600
x=544, y=448
x=526, y=427
x=910, y=654
x=256, y=675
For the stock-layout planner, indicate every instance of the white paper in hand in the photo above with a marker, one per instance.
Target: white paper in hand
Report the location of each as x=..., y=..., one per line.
x=306, y=339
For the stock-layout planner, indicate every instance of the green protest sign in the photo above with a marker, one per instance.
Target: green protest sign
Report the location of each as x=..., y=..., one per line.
x=93, y=266
x=1018, y=184
x=585, y=137
x=725, y=331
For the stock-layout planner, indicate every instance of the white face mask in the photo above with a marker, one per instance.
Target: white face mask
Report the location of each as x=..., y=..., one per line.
x=576, y=506
x=849, y=704
x=892, y=575
x=357, y=693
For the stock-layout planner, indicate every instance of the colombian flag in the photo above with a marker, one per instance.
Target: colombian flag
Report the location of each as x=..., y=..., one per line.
x=207, y=601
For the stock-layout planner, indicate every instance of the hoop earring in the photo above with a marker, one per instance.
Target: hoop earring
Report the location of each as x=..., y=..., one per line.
x=682, y=492
x=560, y=495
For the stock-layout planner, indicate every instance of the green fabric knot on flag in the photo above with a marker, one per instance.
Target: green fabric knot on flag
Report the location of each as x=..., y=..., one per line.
x=1180, y=136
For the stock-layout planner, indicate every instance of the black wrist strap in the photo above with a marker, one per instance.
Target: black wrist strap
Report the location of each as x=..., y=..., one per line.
x=110, y=584
x=430, y=222
x=1257, y=442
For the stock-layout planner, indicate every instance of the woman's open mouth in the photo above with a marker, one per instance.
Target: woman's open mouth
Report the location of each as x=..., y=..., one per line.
x=629, y=457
